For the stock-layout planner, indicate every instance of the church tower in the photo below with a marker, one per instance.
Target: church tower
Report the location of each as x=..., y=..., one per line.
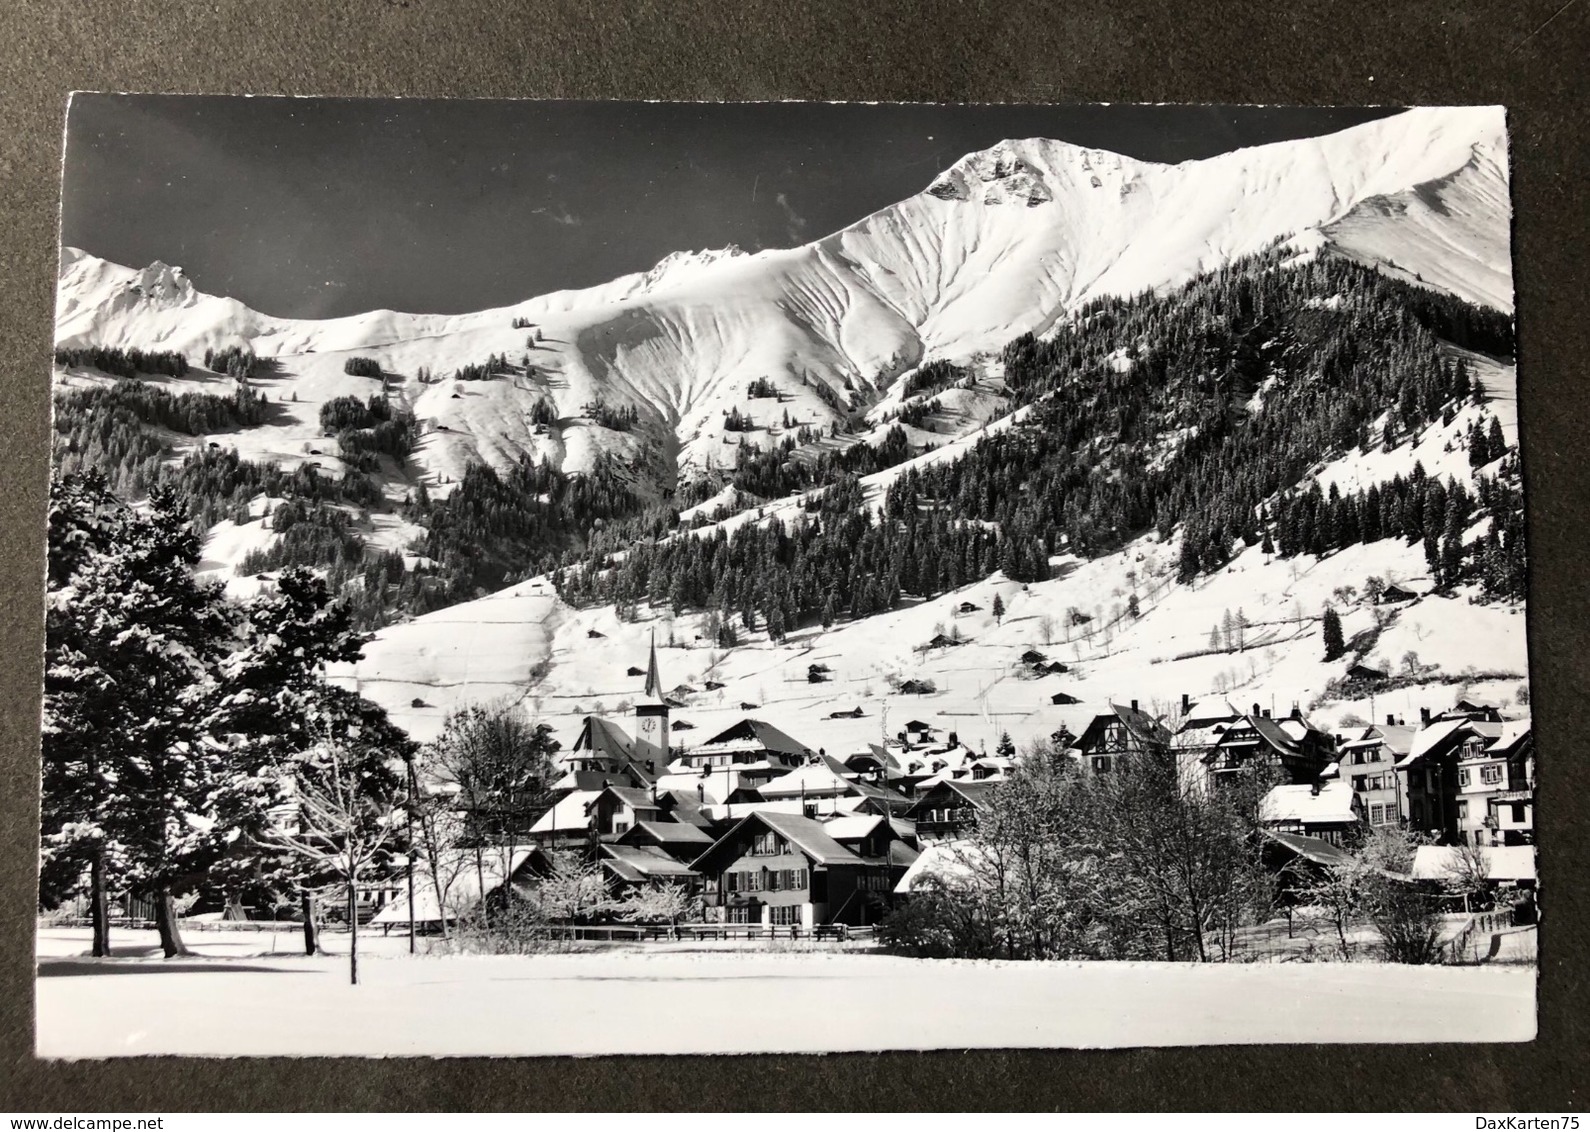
x=651, y=718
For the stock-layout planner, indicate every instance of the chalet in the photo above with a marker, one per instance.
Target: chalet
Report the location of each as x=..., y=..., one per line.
x=1296, y=861
x=1061, y=699
x=682, y=725
x=1329, y=812
x=1482, y=711
x=940, y=641
x=915, y=688
x=735, y=762
x=459, y=882
x=1032, y=658
x=1367, y=760
x=747, y=706
x=629, y=867
x=594, y=635
x=1289, y=747
x=828, y=778
x=853, y=713
x=818, y=670
x=416, y=702
x=949, y=809
x=712, y=685
x=1053, y=668
x=682, y=840
x=633, y=671
x=681, y=693
x=1431, y=784
x=1120, y=732
x=1364, y=674
x=1496, y=788
x=967, y=607
x=787, y=870
x=1395, y=592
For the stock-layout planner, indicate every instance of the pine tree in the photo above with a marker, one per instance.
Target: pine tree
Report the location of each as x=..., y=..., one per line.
x=999, y=608
x=1335, y=645
x=133, y=641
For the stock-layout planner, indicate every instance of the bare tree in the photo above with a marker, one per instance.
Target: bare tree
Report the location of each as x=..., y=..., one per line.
x=343, y=827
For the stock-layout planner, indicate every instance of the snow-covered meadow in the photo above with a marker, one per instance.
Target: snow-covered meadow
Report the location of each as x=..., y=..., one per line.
x=266, y=998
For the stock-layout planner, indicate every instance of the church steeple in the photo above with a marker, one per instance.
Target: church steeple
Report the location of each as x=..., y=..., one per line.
x=651, y=718
x=654, y=687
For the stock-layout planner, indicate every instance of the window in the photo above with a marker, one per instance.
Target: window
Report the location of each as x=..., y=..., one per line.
x=1360, y=783
x=1358, y=758
x=1491, y=775
x=1520, y=815
x=1377, y=814
x=775, y=878
x=767, y=844
x=1101, y=764
x=800, y=880
x=731, y=882
x=1463, y=808
x=1463, y=776
x=743, y=915
x=785, y=914
x=618, y=827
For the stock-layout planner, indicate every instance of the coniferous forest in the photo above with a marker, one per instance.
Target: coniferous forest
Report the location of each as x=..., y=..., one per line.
x=1206, y=409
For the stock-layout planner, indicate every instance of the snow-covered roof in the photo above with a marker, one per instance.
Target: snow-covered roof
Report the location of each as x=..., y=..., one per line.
x=1507, y=862
x=1426, y=739
x=1209, y=711
x=461, y=875
x=814, y=778
x=567, y=813
x=947, y=860
x=1324, y=805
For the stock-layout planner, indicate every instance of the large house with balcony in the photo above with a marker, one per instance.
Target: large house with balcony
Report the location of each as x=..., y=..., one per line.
x=1367, y=760
x=1496, y=787
x=1290, y=748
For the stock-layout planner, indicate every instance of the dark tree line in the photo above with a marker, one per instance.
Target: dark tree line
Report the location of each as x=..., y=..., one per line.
x=124, y=363
x=362, y=367
x=193, y=414
x=234, y=361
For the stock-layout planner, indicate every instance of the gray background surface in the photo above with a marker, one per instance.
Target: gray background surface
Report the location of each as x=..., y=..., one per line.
x=1526, y=54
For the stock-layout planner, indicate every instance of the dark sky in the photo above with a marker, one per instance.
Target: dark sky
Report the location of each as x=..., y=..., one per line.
x=320, y=207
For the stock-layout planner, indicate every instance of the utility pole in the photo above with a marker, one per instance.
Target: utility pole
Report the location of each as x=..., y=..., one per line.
x=408, y=811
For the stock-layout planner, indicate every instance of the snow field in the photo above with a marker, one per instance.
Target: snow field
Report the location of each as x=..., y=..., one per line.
x=634, y=1001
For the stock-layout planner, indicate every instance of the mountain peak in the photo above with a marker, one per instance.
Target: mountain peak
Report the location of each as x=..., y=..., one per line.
x=163, y=284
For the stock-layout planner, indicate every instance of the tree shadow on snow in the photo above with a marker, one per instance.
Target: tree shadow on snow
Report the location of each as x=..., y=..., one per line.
x=64, y=968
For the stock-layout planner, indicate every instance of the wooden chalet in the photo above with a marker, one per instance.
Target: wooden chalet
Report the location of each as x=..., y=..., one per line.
x=1063, y=699
x=1298, y=752
x=787, y=870
x=949, y=809
x=1395, y=592
x=1326, y=811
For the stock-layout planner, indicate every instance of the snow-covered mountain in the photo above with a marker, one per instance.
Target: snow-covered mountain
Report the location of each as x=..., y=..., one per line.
x=1007, y=240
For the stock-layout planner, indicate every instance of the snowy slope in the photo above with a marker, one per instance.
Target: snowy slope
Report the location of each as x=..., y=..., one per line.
x=1007, y=240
